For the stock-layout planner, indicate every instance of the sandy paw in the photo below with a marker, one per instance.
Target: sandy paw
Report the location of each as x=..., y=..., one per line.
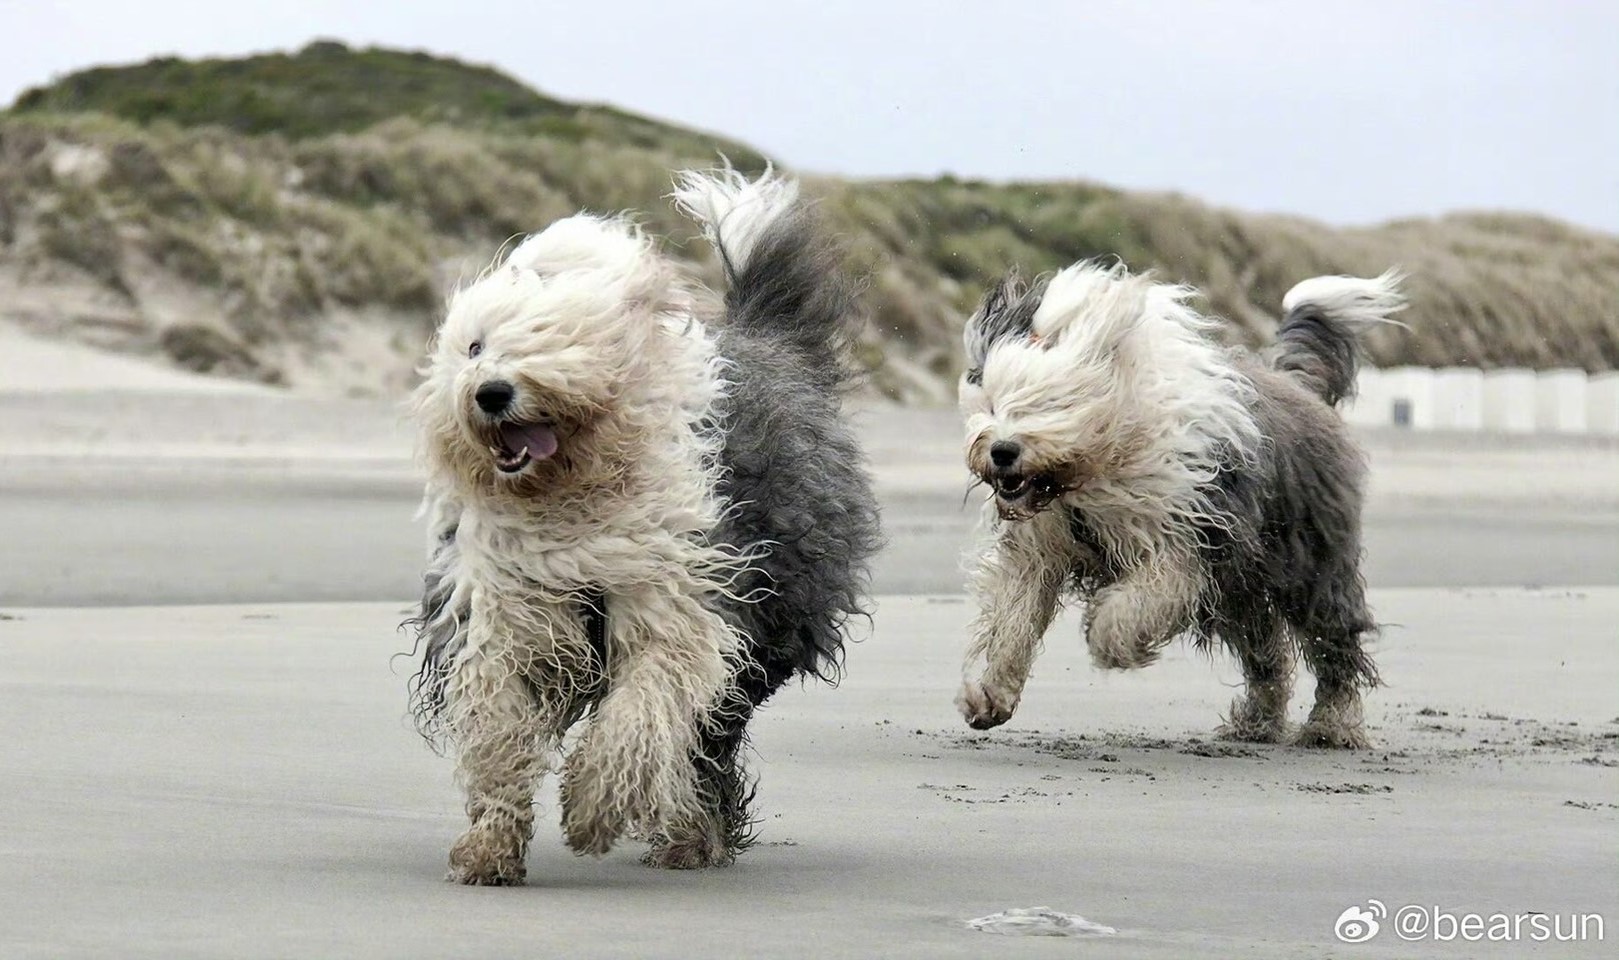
x=590, y=834
x=691, y=855
x=984, y=705
x=1249, y=723
x=485, y=858
x=1112, y=658
x=1333, y=736
x=1115, y=649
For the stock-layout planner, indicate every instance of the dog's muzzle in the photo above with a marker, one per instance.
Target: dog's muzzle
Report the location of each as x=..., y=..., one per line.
x=1020, y=493
x=514, y=444
x=1019, y=496
x=520, y=444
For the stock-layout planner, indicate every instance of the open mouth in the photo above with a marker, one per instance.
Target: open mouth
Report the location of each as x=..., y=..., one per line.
x=1024, y=494
x=520, y=444
x=1010, y=487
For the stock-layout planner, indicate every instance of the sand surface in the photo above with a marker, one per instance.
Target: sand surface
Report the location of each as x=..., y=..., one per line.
x=240, y=781
x=142, y=497
x=77, y=532
x=39, y=365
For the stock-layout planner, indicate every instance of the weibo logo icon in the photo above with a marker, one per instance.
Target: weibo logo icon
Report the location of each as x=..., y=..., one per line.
x=1359, y=924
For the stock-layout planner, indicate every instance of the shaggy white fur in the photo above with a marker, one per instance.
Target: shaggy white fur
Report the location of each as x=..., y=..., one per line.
x=582, y=348
x=1178, y=486
x=1120, y=393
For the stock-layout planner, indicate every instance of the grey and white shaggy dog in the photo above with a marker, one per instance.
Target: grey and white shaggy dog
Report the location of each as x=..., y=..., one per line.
x=641, y=523
x=1177, y=487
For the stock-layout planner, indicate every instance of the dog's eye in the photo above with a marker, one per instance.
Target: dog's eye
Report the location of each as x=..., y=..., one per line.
x=475, y=349
x=975, y=376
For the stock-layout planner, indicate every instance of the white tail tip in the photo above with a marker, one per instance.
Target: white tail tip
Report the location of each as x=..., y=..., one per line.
x=1350, y=299
x=734, y=212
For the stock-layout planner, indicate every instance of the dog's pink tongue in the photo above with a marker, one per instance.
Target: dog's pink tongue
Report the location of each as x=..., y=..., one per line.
x=540, y=439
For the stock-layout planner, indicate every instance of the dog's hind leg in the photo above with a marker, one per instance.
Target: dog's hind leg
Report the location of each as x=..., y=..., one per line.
x=1337, y=719
x=1266, y=652
x=669, y=664
x=1017, y=584
x=1331, y=635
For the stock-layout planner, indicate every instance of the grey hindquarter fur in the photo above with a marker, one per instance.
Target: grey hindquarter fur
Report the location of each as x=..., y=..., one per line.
x=794, y=479
x=1283, y=569
x=1285, y=574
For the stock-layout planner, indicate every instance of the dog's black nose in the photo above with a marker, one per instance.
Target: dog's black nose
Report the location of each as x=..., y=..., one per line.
x=495, y=396
x=1004, y=453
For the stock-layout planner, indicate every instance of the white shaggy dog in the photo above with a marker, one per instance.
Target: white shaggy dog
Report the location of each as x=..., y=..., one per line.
x=638, y=518
x=1175, y=486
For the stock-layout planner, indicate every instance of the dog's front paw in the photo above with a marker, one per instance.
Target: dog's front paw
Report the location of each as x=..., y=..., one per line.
x=1115, y=658
x=985, y=705
x=487, y=857
x=1116, y=646
x=590, y=826
x=591, y=819
x=591, y=836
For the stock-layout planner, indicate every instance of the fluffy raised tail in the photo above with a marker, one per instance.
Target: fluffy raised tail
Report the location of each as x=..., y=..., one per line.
x=785, y=274
x=1317, y=341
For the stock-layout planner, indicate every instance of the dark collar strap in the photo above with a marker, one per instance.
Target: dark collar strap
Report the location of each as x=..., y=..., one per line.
x=594, y=606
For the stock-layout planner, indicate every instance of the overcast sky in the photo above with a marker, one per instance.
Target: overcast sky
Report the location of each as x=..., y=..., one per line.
x=1349, y=112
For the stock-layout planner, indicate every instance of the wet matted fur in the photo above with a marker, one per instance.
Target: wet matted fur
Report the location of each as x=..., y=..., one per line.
x=639, y=523
x=1176, y=487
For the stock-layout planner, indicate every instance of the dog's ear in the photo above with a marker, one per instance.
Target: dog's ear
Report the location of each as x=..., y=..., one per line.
x=526, y=256
x=1006, y=310
x=582, y=242
x=1000, y=293
x=1092, y=309
x=1116, y=327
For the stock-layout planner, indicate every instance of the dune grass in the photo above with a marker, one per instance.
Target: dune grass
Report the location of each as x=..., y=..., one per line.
x=277, y=195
